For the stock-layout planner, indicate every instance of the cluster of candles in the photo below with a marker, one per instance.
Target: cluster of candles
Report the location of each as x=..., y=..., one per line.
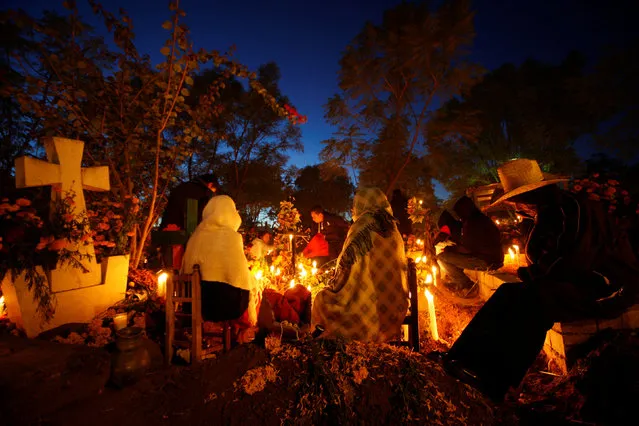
x=513, y=253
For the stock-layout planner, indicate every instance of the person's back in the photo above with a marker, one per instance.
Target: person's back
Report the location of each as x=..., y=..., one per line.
x=218, y=249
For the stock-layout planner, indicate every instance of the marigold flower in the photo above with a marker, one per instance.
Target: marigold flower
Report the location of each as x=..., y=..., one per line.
x=58, y=244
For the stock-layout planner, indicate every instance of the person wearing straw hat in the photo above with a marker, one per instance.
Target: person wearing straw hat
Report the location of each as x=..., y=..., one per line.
x=580, y=267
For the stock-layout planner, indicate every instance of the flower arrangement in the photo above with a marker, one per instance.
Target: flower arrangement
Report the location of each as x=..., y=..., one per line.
x=28, y=242
x=112, y=224
x=599, y=188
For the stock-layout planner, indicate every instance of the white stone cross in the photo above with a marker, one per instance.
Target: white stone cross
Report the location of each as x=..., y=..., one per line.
x=64, y=173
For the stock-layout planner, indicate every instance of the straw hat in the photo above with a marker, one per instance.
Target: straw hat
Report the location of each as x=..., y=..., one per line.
x=522, y=175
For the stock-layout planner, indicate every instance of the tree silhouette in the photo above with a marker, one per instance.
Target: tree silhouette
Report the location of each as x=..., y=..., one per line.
x=389, y=78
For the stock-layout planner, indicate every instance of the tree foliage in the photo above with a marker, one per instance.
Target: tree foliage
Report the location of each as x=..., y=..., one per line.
x=334, y=192
x=390, y=76
x=531, y=111
x=133, y=116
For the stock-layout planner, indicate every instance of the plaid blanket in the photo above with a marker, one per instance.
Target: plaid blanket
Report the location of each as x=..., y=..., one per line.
x=368, y=300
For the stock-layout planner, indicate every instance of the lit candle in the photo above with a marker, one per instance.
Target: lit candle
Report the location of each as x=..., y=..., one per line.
x=162, y=277
x=120, y=321
x=429, y=279
x=420, y=202
x=418, y=259
x=511, y=253
x=434, y=269
x=290, y=241
x=292, y=284
x=431, y=315
x=516, y=247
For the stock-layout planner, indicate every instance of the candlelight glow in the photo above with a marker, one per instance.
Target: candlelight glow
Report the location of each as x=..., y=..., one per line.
x=421, y=202
x=431, y=315
x=308, y=287
x=511, y=253
x=434, y=269
x=1, y=303
x=418, y=259
x=162, y=277
x=496, y=221
x=272, y=269
x=314, y=264
x=429, y=279
x=259, y=274
x=278, y=272
x=292, y=284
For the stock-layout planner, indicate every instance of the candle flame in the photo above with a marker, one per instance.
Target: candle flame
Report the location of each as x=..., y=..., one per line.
x=162, y=278
x=290, y=237
x=418, y=259
x=308, y=287
x=292, y=284
x=429, y=279
x=511, y=253
x=272, y=269
x=434, y=269
x=259, y=275
x=496, y=221
x=421, y=202
x=278, y=271
x=314, y=264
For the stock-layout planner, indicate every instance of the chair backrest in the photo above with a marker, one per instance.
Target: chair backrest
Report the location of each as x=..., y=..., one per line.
x=184, y=285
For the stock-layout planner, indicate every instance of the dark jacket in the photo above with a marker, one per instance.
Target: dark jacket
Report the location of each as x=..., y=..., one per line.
x=575, y=240
x=480, y=236
x=175, y=211
x=334, y=229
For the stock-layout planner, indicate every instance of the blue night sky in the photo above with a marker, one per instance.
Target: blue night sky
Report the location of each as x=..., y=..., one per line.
x=306, y=38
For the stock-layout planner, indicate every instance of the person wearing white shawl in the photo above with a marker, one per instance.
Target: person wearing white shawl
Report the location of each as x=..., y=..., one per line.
x=228, y=287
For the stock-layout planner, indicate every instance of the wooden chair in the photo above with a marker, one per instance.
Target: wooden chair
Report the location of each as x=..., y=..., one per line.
x=412, y=319
x=185, y=288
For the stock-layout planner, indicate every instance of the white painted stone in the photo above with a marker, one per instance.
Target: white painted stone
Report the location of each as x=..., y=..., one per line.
x=64, y=173
x=78, y=305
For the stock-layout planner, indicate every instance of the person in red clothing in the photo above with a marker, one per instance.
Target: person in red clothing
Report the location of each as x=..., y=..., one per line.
x=479, y=248
x=334, y=230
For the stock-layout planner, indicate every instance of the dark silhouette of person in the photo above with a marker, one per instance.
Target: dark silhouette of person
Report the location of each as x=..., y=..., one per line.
x=399, y=204
x=450, y=229
x=479, y=247
x=202, y=189
x=581, y=266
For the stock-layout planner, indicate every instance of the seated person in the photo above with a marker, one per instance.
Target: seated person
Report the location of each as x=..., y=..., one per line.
x=580, y=267
x=260, y=246
x=228, y=289
x=479, y=248
x=450, y=229
x=334, y=230
x=368, y=299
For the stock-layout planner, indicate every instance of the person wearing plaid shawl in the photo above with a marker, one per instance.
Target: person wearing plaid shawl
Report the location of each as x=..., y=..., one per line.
x=368, y=299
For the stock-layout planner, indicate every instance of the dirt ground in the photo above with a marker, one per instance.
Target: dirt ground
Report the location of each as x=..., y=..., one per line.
x=314, y=382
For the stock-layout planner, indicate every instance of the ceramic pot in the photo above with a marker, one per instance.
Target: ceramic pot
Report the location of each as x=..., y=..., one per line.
x=131, y=360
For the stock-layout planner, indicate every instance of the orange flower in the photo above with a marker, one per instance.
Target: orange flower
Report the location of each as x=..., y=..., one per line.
x=58, y=244
x=23, y=202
